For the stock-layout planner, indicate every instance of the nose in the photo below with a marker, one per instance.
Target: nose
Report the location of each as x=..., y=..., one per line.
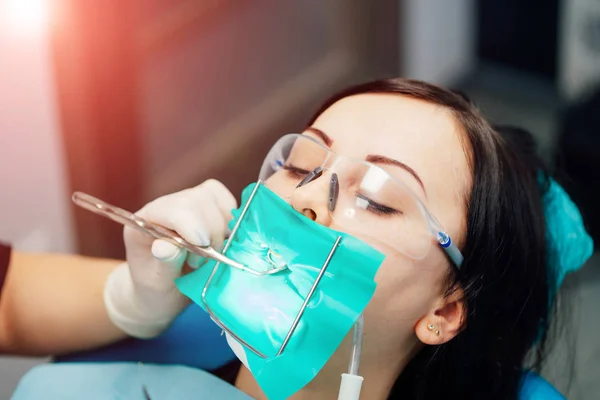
x=312, y=200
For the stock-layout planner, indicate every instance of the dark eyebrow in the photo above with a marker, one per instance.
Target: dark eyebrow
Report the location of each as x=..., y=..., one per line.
x=322, y=135
x=375, y=159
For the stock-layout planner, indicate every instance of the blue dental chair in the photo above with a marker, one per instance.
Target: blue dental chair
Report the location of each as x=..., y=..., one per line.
x=195, y=341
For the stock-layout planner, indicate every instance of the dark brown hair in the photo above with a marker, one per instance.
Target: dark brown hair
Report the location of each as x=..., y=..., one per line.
x=504, y=276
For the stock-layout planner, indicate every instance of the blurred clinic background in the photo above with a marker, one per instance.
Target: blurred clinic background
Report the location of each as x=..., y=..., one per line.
x=130, y=100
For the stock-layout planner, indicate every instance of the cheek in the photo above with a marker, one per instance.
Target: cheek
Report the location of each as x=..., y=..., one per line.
x=406, y=291
x=281, y=185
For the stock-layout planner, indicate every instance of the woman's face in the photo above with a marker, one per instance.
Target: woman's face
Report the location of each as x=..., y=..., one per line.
x=426, y=139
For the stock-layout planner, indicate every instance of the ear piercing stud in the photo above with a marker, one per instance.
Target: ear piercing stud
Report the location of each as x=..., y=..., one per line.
x=431, y=327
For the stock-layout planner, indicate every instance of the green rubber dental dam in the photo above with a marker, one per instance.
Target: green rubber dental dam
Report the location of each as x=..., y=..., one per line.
x=303, y=288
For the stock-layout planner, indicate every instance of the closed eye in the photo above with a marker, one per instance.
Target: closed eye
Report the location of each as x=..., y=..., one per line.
x=295, y=171
x=377, y=208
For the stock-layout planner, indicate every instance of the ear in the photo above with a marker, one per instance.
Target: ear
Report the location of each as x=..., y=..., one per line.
x=444, y=321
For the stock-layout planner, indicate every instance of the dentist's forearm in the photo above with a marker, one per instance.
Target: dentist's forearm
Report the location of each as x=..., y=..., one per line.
x=53, y=304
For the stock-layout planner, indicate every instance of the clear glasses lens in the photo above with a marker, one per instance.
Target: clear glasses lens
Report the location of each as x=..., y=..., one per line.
x=361, y=198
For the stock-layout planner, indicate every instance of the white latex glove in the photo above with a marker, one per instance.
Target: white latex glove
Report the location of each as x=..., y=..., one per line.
x=140, y=295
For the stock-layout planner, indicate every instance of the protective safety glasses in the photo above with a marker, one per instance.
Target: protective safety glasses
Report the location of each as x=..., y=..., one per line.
x=362, y=198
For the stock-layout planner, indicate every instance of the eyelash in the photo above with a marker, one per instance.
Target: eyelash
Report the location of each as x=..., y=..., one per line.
x=295, y=171
x=373, y=206
x=377, y=208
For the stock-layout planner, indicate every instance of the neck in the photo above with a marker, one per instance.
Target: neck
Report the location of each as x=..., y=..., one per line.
x=379, y=377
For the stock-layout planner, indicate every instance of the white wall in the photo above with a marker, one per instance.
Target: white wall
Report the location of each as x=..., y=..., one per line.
x=438, y=39
x=33, y=197
x=579, y=63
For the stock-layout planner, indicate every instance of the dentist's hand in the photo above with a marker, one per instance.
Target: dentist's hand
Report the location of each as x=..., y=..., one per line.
x=140, y=296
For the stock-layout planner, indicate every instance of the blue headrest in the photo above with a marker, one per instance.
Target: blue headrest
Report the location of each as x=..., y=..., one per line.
x=569, y=244
x=537, y=388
